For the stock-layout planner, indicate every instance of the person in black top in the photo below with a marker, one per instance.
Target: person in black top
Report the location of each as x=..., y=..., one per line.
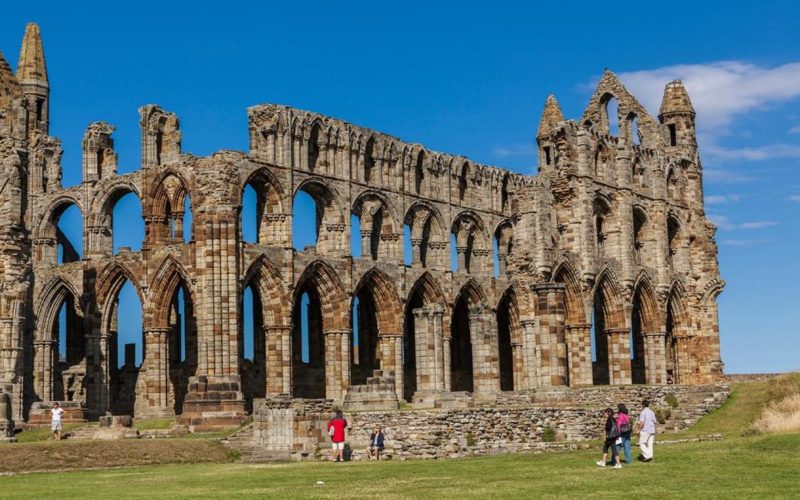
x=611, y=435
x=376, y=443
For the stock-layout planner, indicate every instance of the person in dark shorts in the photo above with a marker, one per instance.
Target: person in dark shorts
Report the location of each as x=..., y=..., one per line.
x=611, y=434
x=376, y=443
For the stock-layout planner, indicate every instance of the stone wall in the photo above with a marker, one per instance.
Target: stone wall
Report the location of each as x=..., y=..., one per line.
x=574, y=416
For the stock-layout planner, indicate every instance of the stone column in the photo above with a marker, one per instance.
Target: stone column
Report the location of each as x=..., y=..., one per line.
x=485, y=358
x=518, y=366
x=390, y=347
x=366, y=243
x=655, y=357
x=619, y=356
x=279, y=360
x=337, y=363
x=529, y=354
x=501, y=263
x=551, y=335
x=43, y=368
x=462, y=258
x=152, y=386
x=416, y=252
x=429, y=336
x=580, y=354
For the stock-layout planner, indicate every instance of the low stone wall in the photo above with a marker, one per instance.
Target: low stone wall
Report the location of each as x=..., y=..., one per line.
x=515, y=422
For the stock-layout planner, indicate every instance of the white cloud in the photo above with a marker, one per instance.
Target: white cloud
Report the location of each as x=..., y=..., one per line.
x=516, y=150
x=723, y=222
x=717, y=199
x=719, y=91
x=758, y=224
x=795, y=130
x=794, y=197
x=743, y=243
x=721, y=176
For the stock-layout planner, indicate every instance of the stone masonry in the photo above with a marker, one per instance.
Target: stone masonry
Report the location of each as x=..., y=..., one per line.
x=608, y=271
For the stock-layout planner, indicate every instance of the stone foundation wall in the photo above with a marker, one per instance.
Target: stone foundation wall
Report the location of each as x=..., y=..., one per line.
x=574, y=416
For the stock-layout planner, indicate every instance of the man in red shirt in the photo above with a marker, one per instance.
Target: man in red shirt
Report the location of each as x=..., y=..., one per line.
x=336, y=430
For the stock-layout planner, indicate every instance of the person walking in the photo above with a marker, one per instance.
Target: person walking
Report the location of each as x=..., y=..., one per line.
x=376, y=443
x=625, y=429
x=337, y=431
x=55, y=420
x=647, y=432
x=611, y=434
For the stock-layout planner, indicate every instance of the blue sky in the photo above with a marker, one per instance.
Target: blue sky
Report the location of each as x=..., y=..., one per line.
x=466, y=79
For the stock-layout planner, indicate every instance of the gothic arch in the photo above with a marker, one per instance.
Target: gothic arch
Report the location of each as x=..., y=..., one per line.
x=51, y=298
x=111, y=279
x=266, y=279
x=165, y=283
x=575, y=306
x=389, y=310
x=324, y=279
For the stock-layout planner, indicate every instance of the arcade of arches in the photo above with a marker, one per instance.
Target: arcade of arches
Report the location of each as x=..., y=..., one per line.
x=551, y=282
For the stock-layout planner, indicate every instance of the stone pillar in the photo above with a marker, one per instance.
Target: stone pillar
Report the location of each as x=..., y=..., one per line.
x=416, y=252
x=655, y=358
x=390, y=347
x=43, y=368
x=429, y=336
x=551, y=335
x=337, y=363
x=279, y=360
x=580, y=354
x=518, y=366
x=152, y=386
x=462, y=258
x=529, y=353
x=619, y=356
x=485, y=357
x=501, y=264
x=366, y=243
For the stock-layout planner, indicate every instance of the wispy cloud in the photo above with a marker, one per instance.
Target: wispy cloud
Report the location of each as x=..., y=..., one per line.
x=515, y=150
x=723, y=222
x=743, y=243
x=720, y=176
x=720, y=91
x=718, y=199
x=794, y=197
x=795, y=129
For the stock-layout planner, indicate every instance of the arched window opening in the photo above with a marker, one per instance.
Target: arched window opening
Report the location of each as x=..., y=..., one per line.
x=601, y=213
x=496, y=258
x=673, y=134
x=126, y=346
x=369, y=161
x=69, y=235
x=355, y=237
x=408, y=249
x=308, y=345
x=426, y=239
x=462, y=182
x=364, y=346
x=127, y=225
x=504, y=195
x=454, y=254
x=375, y=234
x=673, y=238
x=187, y=226
x=637, y=347
x=503, y=245
x=599, y=344
x=639, y=221
x=419, y=173
x=635, y=137
x=307, y=214
x=611, y=115
x=461, y=347
x=314, y=153
x=70, y=353
x=637, y=174
x=468, y=252
x=672, y=185
x=182, y=345
x=507, y=320
x=250, y=215
x=252, y=347
x=472, y=245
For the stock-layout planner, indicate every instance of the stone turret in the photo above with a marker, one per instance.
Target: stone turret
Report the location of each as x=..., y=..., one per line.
x=677, y=113
x=551, y=116
x=32, y=76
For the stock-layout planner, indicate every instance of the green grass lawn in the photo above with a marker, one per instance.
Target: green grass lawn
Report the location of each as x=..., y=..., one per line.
x=741, y=467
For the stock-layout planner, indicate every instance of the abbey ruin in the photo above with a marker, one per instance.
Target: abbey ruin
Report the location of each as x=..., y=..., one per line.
x=606, y=271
